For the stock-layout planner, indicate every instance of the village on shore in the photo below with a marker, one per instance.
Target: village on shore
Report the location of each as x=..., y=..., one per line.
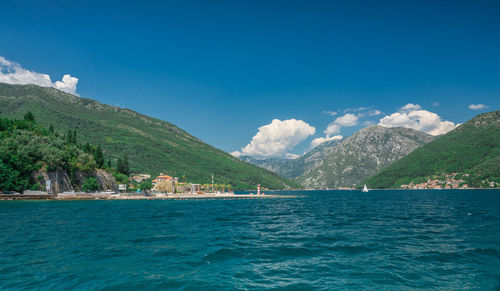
x=449, y=181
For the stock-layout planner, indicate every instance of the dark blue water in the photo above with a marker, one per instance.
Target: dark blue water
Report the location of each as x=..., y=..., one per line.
x=327, y=240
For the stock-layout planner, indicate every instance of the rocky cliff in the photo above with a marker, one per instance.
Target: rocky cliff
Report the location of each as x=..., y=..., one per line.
x=61, y=182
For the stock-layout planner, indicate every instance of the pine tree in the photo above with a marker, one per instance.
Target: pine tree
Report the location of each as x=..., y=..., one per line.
x=87, y=148
x=69, y=136
x=99, y=159
x=28, y=116
x=122, y=165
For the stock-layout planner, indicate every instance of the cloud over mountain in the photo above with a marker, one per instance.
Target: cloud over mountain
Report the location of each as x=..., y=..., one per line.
x=13, y=73
x=276, y=138
x=413, y=116
x=319, y=140
x=477, y=106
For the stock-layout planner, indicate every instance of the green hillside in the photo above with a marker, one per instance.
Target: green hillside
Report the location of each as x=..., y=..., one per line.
x=472, y=149
x=152, y=145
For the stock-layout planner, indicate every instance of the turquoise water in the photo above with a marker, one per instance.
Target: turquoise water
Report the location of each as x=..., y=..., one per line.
x=327, y=240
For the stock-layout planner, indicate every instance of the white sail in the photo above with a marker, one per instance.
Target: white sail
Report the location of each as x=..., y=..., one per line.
x=365, y=189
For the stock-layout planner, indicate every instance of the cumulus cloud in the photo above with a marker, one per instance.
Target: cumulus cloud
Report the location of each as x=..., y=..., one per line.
x=410, y=107
x=348, y=119
x=477, y=106
x=236, y=154
x=319, y=140
x=413, y=116
x=13, y=73
x=277, y=137
x=332, y=128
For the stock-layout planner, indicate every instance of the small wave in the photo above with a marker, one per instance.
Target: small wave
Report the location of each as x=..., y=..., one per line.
x=223, y=254
x=440, y=257
x=329, y=239
x=350, y=249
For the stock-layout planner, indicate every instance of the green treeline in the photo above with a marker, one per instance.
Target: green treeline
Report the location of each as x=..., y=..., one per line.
x=26, y=147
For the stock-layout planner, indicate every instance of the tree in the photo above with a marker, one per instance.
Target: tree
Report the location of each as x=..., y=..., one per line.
x=109, y=164
x=90, y=184
x=69, y=136
x=121, y=179
x=51, y=128
x=145, y=186
x=28, y=116
x=123, y=166
x=99, y=159
x=87, y=148
x=8, y=177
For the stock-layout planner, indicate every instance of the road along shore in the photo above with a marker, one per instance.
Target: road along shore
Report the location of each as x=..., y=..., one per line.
x=135, y=196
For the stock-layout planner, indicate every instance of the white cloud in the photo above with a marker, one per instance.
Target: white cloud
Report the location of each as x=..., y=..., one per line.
x=319, y=140
x=276, y=138
x=477, y=106
x=68, y=84
x=348, y=119
x=332, y=113
x=236, y=154
x=435, y=104
x=13, y=73
x=332, y=128
x=375, y=112
x=410, y=107
x=291, y=156
x=412, y=116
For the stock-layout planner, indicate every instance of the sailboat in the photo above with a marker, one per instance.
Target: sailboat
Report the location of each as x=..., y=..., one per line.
x=365, y=189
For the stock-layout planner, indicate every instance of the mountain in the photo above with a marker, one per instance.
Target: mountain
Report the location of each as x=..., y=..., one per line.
x=292, y=168
x=361, y=155
x=472, y=149
x=152, y=145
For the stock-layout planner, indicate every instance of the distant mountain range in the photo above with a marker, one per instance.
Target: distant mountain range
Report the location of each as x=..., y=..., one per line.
x=472, y=150
x=347, y=162
x=152, y=145
x=292, y=168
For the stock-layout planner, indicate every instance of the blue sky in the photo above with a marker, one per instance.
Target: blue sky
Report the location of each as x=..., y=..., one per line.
x=223, y=69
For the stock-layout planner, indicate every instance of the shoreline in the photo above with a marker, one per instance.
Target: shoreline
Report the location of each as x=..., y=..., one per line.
x=130, y=196
x=207, y=196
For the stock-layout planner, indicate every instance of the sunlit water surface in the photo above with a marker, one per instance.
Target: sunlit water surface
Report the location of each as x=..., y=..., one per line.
x=326, y=240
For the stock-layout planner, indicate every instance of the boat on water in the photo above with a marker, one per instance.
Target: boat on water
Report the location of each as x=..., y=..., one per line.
x=365, y=189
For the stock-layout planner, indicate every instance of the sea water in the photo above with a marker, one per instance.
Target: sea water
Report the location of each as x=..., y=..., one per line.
x=325, y=240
